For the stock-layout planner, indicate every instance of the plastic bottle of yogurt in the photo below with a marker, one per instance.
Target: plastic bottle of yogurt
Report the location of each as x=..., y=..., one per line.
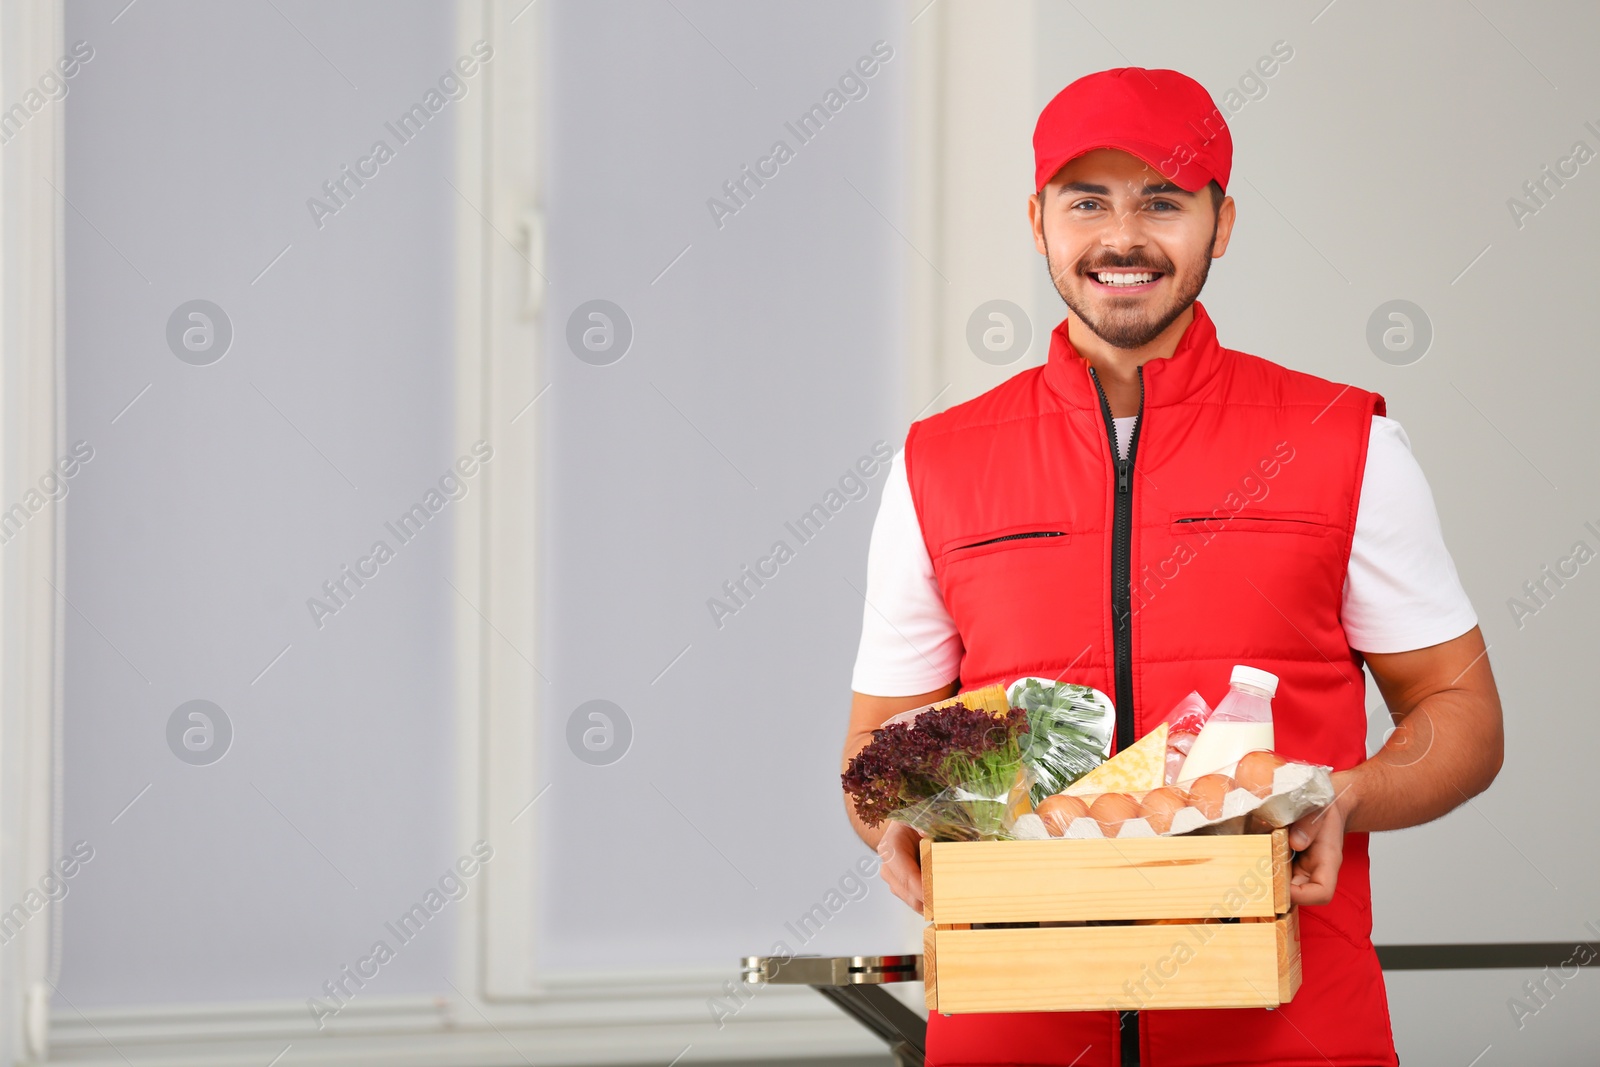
x=1242, y=723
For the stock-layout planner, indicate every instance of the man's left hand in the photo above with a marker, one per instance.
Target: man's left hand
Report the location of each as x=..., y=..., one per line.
x=1319, y=838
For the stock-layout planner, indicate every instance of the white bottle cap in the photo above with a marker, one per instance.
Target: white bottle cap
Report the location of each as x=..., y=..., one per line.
x=1255, y=678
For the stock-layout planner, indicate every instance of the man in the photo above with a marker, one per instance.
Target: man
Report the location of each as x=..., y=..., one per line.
x=1148, y=509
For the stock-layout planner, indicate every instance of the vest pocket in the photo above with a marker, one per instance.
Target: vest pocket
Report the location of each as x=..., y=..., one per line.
x=1307, y=523
x=968, y=547
x=1022, y=605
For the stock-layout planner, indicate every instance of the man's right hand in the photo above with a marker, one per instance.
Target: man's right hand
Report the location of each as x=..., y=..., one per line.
x=899, y=848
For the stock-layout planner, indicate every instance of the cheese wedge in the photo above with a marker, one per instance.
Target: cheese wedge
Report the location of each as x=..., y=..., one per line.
x=1142, y=766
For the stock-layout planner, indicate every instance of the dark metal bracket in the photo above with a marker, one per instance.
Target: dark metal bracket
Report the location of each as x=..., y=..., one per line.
x=855, y=984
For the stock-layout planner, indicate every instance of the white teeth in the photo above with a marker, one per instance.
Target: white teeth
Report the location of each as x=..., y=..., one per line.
x=1124, y=279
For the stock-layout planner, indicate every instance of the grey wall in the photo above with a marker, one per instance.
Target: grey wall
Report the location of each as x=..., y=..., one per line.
x=223, y=498
x=1374, y=165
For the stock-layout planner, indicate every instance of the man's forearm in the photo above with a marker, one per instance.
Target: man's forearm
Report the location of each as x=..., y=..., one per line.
x=1445, y=751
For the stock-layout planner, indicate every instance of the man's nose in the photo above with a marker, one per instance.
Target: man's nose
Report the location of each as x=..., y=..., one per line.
x=1124, y=227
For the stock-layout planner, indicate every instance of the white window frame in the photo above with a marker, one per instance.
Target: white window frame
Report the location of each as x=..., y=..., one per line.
x=971, y=113
x=499, y=320
x=31, y=426
x=500, y=329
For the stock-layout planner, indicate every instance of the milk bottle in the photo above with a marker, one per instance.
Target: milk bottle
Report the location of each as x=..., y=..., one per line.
x=1242, y=723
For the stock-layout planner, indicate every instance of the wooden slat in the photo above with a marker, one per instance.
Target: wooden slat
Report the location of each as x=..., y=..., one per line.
x=1108, y=879
x=1288, y=955
x=1096, y=968
x=1281, y=870
x=925, y=851
x=930, y=985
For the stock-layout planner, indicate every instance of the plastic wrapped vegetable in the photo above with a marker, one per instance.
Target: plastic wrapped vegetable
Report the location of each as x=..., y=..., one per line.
x=1070, y=728
x=952, y=771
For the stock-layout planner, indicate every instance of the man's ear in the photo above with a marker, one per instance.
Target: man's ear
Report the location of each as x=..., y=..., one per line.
x=1225, y=219
x=1036, y=219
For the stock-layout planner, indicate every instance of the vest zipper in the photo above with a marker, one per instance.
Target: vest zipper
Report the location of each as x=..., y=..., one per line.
x=1122, y=620
x=1121, y=549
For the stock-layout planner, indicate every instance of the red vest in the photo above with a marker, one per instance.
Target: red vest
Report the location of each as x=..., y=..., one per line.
x=1237, y=513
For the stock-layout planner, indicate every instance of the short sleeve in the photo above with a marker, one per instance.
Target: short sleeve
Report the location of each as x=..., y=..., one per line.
x=1401, y=588
x=909, y=642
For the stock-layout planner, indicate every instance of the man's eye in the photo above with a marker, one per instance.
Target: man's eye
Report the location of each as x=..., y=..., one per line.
x=1165, y=204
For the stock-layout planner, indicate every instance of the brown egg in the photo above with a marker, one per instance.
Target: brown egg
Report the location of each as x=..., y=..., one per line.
x=1160, y=805
x=1059, y=811
x=1111, y=810
x=1207, y=792
x=1255, y=769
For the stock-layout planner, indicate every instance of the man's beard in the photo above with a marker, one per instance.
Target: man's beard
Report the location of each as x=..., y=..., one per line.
x=1134, y=327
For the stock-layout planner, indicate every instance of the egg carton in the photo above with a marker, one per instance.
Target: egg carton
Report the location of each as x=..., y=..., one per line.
x=1298, y=789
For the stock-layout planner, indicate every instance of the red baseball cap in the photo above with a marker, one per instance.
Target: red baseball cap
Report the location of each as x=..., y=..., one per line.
x=1165, y=118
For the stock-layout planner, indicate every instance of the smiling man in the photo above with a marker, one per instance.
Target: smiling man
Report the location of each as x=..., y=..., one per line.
x=1144, y=511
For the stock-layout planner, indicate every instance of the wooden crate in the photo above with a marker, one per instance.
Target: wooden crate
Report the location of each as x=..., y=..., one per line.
x=1151, y=945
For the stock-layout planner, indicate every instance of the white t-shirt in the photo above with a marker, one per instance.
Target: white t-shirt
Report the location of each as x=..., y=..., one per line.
x=1401, y=590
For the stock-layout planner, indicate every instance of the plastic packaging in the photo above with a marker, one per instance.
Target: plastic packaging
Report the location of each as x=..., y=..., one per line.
x=1184, y=723
x=973, y=767
x=1241, y=723
x=1253, y=789
x=958, y=813
x=953, y=770
x=1256, y=793
x=1070, y=728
